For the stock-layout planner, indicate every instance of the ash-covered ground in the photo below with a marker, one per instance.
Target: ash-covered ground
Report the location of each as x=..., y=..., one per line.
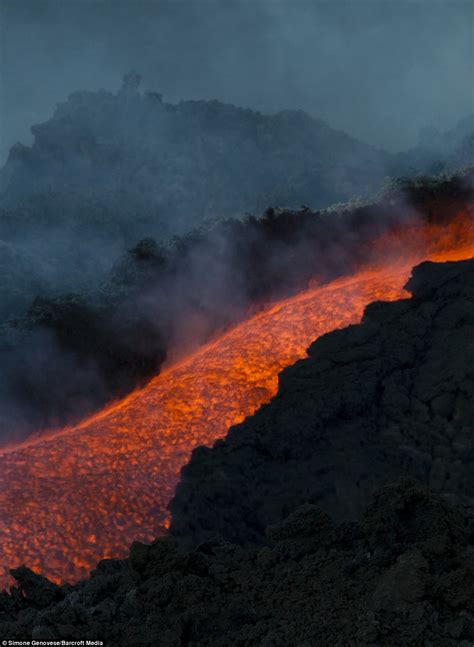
x=346, y=558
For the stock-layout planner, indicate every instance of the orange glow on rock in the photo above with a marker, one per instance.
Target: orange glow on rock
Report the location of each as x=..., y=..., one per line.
x=73, y=497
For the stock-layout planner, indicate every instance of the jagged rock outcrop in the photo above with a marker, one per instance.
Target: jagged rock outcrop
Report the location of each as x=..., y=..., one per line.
x=402, y=575
x=392, y=396
x=194, y=159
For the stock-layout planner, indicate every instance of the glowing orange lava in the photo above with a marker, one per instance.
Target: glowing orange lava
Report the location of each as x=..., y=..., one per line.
x=82, y=494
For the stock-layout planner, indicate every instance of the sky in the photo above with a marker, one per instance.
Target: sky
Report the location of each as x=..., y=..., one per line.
x=377, y=69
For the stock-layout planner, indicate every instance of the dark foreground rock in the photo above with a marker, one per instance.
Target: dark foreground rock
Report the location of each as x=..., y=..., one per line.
x=403, y=575
x=392, y=396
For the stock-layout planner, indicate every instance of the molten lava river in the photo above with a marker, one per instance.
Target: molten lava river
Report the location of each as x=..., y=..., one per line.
x=70, y=498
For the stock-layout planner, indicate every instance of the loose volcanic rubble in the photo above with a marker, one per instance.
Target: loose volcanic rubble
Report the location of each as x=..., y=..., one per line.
x=403, y=575
x=392, y=396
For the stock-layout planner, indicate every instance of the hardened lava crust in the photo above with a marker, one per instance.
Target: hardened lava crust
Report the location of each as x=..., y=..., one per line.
x=402, y=575
x=390, y=397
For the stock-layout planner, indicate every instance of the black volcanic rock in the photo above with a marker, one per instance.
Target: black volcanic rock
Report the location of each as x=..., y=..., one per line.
x=403, y=575
x=39, y=591
x=392, y=396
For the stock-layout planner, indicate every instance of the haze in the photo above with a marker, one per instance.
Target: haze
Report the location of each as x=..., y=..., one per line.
x=378, y=69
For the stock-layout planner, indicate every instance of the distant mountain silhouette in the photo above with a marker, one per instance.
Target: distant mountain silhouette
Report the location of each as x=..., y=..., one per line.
x=109, y=169
x=187, y=162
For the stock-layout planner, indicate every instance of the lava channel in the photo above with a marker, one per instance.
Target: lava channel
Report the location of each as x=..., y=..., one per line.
x=71, y=498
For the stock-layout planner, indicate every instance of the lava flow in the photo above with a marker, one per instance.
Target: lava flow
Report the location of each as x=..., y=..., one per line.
x=82, y=494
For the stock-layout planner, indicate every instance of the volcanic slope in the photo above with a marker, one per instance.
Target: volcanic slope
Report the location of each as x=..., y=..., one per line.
x=401, y=575
x=389, y=397
x=71, y=498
